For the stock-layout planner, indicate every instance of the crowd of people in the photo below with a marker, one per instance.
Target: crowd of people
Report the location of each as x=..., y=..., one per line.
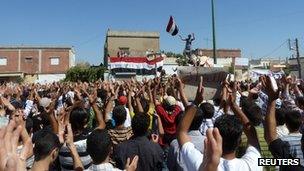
x=150, y=125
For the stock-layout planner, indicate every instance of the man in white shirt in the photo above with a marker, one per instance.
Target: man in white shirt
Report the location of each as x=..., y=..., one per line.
x=230, y=128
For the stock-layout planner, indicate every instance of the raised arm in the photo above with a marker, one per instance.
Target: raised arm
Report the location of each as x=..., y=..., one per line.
x=270, y=133
x=249, y=130
x=193, y=38
x=77, y=164
x=181, y=38
x=180, y=87
x=183, y=127
x=98, y=114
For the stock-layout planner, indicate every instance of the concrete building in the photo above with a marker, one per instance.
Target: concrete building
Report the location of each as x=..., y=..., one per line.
x=35, y=63
x=130, y=44
x=271, y=63
x=225, y=57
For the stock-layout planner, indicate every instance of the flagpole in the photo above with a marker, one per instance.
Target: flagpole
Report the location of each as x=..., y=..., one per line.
x=213, y=33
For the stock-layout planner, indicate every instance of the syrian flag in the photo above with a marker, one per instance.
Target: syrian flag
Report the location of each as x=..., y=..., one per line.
x=172, y=27
x=140, y=65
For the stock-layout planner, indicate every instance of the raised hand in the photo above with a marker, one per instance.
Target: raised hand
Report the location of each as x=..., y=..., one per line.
x=272, y=95
x=9, y=137
x=199, y=93
x=133, y=165
x=213, y=150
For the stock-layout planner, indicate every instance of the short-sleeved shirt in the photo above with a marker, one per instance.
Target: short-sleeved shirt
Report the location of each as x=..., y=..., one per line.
x=65, y=158
x=281, y=149
x=193, y=158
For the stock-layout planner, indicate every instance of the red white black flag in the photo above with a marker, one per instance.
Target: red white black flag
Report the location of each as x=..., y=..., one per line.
x=172, y=27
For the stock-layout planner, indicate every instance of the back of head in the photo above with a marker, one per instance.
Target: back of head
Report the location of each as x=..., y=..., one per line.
x=45, y=144
x=119, y=115
x=300, y=102
x=293, y=121
x=140, y=124
x=78, y=118
x=197, y=120
x=252, y=111
x=207, y=109
x=99, y=145
x=280, y=116
x=102, y=94
x=231, y=129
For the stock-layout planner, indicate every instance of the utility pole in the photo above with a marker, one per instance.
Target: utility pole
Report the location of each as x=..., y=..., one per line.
x=213, y=32
x=298, y=59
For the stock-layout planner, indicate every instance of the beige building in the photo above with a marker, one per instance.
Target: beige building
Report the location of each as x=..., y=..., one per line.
x=130, y=44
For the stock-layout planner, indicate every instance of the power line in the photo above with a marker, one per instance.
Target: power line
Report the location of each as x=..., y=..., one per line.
x=88, y=40
x=274, y=50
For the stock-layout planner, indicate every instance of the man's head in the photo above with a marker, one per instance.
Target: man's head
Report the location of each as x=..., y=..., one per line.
x=231, y=129
x=189, y=36
x=293, y=121
x=140, y=124
x=46, y=147
x=78, y=119
x=119, y=115
x=197, y=120
x=169, y=103
x=252, y=111
x=122, y=100
x=300, y=102
x=280, y=116
x=99, y=145
x=207, y=109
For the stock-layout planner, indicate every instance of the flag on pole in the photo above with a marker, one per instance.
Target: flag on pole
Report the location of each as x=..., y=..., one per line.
x=172, y=28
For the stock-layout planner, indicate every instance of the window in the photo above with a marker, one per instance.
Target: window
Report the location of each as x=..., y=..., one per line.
x=28, y=59
x=54, y=60
x=3, y=61
x=123, y=52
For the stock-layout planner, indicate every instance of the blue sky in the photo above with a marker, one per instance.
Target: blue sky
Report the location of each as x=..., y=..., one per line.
x=257, y=27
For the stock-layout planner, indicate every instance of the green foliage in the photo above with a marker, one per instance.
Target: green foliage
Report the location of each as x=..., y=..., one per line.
x=182, y=61
x=172, y=54
x=84, y=73
x=231, y=70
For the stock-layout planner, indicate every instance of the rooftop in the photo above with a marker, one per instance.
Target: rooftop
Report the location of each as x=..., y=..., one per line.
x=116, y=33
x=34, y=47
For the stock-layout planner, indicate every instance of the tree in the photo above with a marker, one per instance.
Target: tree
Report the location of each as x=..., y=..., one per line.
x=84, y=73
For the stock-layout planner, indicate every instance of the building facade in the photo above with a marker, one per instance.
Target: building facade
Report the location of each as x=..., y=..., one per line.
x=131, y=53
x=35, y=64
x=130, y=44
x=225, y=57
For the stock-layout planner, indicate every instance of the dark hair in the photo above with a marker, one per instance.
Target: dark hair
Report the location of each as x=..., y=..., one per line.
x=293, y=120
x=140, y=124
x=300, y=101
x=231, y=129
x=45, y=144
x=252, y=111
x=119, y=115
x=217, y=101
x=280, y=116
x=78, y=118
x=207, y=109
x=197, y=120
x=29, y=125
x=99, y=145
x=102, y=94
